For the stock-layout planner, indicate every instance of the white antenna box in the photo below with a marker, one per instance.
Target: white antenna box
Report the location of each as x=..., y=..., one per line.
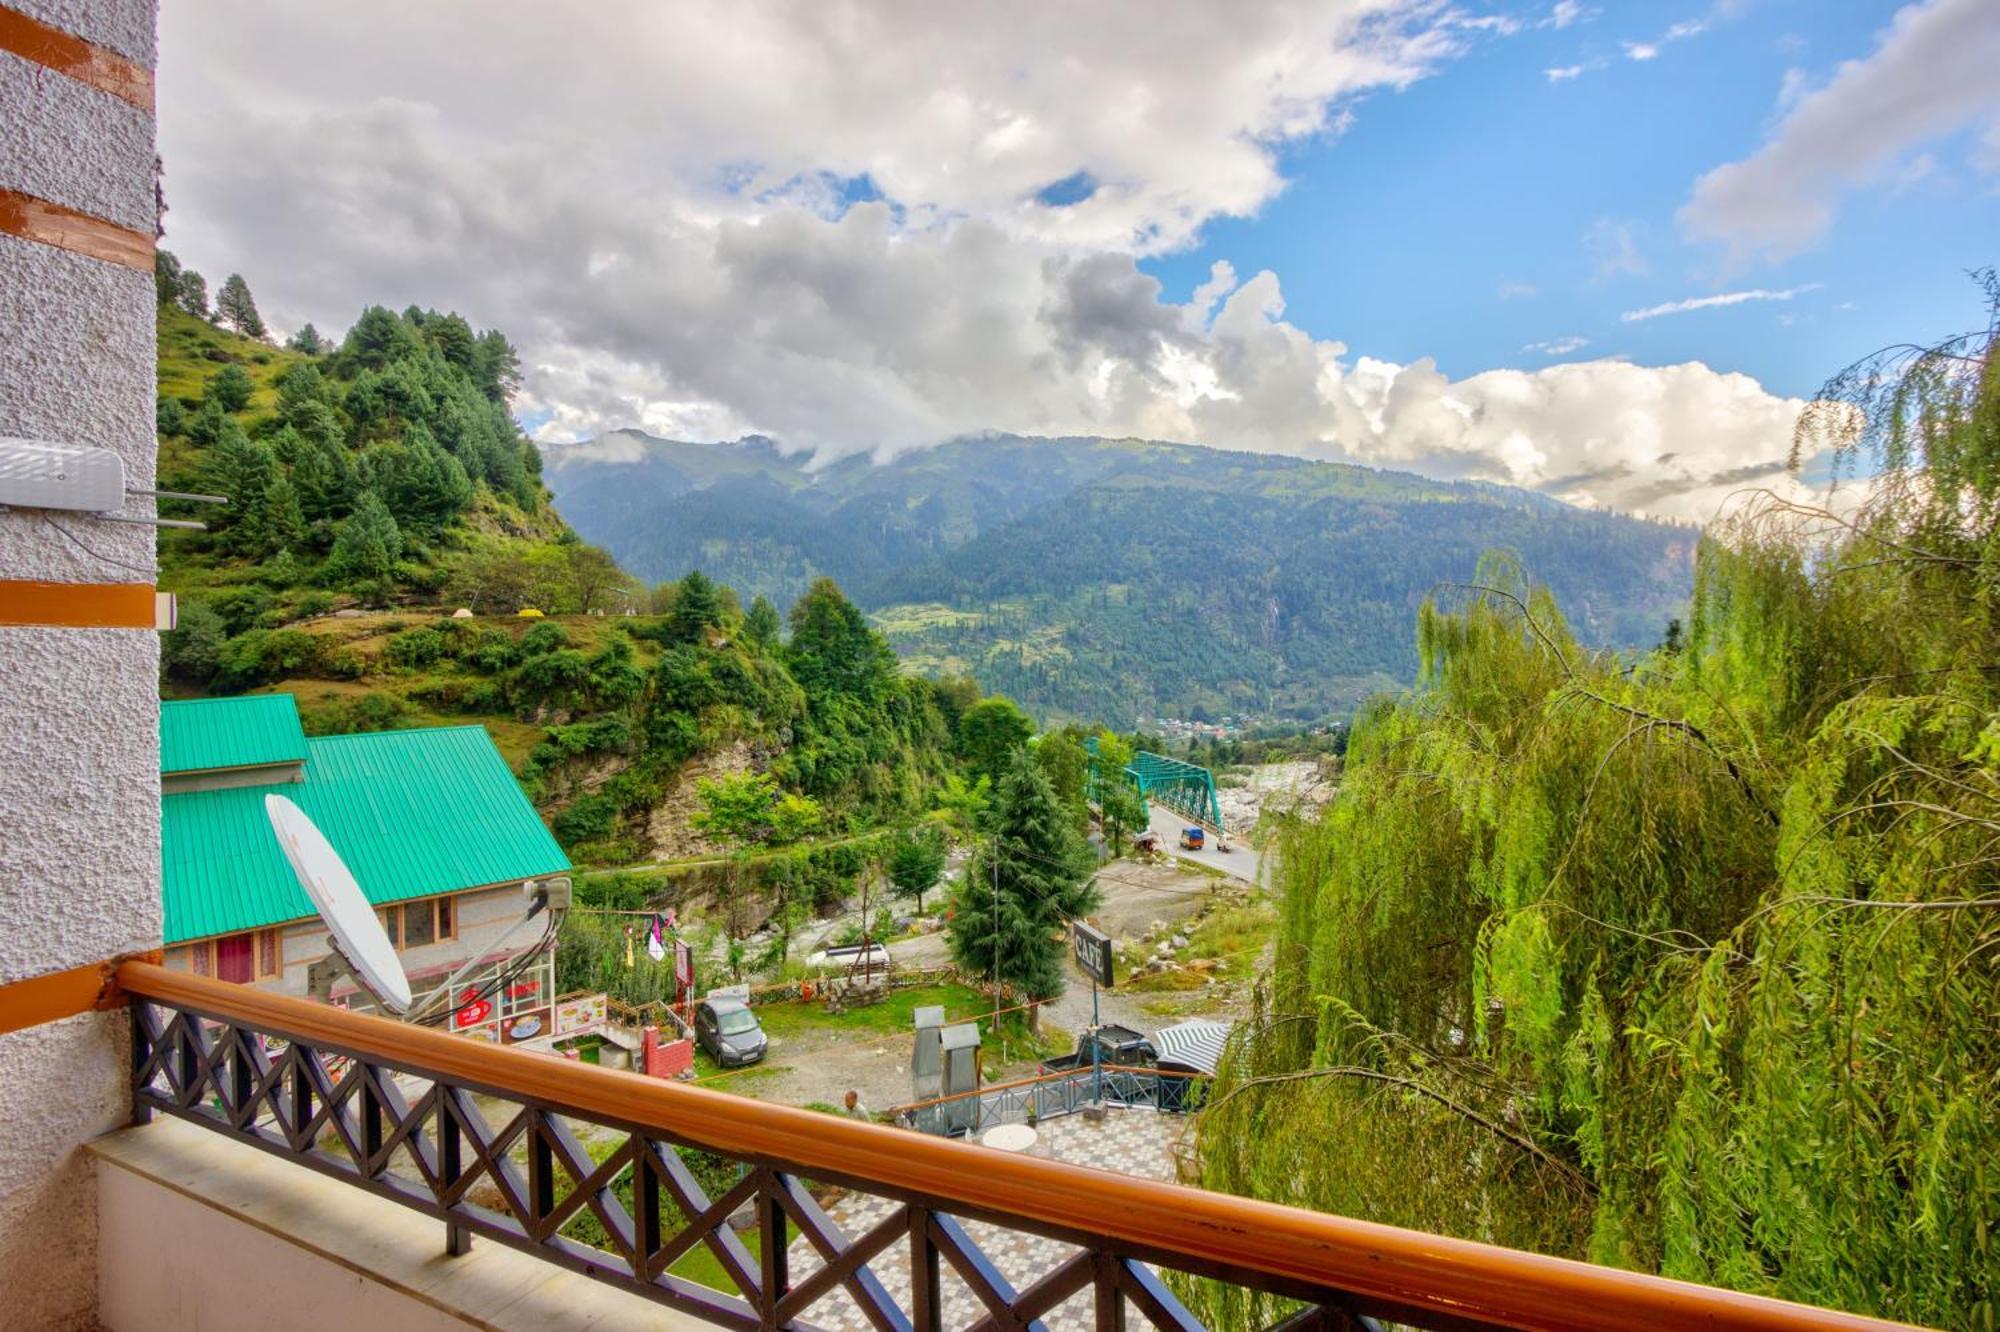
x=34, y=475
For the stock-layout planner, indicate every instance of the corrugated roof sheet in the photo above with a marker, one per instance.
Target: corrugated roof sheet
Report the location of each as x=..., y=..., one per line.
x=411, y=812
x=203, y=733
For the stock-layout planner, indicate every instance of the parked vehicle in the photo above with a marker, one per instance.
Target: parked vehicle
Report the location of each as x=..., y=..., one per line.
x=1120, y=1046
x=856, y=957
x=1192, y=839
x=729, y=1031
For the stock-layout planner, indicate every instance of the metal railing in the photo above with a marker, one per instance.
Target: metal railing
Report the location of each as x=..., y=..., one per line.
x=1050, y=1095
x=405, y=1121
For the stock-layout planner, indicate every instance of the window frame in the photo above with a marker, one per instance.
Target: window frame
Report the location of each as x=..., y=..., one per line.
x=443, y=910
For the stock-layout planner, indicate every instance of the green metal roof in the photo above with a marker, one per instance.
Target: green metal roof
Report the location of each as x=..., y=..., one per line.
x=411, y=812
x=202, y=733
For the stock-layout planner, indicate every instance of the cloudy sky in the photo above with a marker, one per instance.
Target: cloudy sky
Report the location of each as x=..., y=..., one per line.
x=1600, y=250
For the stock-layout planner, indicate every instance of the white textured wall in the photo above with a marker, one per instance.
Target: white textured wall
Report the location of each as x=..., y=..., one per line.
x=79, y=788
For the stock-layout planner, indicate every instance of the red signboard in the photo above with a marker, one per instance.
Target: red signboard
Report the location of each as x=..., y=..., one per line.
x=476, y=1010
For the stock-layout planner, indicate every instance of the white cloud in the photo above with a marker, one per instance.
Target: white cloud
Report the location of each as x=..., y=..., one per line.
x=673, y=241
x=1562, y=73
x=1563, y=13
x=1519, y=291
x=1932, y=74
x=1716, y=302
x=1558, y=346
x=1641, y=50
x=1613, y=247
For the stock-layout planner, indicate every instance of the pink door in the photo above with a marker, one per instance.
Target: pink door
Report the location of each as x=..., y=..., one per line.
x=235, y=958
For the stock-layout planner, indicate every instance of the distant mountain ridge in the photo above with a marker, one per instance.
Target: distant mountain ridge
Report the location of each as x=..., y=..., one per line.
x=1115, y=578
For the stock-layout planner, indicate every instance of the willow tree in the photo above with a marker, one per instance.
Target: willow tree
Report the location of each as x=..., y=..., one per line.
x=1692, y=963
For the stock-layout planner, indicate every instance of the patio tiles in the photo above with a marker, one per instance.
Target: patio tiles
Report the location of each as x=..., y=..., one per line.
x=1129, y=1142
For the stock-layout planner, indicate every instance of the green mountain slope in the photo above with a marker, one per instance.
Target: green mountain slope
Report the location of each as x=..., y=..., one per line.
x=1118, y=578
x=381, y=486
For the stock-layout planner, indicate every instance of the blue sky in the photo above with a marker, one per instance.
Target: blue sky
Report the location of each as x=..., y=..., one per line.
x=1419, y=231
x=1473, y=239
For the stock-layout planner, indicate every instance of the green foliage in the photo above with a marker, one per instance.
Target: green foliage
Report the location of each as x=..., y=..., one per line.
x=748, y=807
x=916, y=862
x=366, y=545
x=235, y=308
x=990, y=733
x=761, y=625
x=169, y=416
x=1030, y=878
x=1686, y=966
x=1119, y=579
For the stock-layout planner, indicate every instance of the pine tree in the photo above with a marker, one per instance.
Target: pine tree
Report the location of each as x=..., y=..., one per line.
x=193, y=293
x=230, y=388
x=761, y=625
x=1030, y=879
x=368, y=543
x=283, y=524
x=309, y=341
x=166, y=276
x=235, y=307
x=697, y=608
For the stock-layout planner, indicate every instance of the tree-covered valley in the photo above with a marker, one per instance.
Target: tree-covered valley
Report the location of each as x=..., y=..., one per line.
x=1117, y=579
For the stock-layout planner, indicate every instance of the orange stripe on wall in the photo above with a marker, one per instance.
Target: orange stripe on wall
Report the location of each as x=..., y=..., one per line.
x=62, y=994
x=78, y=605
x=86, y=62
x=35, y=219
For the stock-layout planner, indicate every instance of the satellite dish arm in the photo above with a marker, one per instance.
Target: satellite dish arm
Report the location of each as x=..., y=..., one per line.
x=539, y=897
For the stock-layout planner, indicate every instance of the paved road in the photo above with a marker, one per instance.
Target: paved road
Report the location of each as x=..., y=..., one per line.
x=1241, y=860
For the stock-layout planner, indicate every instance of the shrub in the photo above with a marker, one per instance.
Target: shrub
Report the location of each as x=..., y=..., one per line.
x=260, y=656
x=414, y=648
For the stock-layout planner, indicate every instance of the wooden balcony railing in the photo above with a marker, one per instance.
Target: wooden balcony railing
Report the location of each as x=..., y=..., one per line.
x=404, y=1112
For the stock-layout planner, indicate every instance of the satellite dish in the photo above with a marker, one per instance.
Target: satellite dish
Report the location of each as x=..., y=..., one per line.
x=357, y=931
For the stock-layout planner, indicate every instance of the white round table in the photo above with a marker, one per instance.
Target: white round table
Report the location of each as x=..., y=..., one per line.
x=1009, y=1138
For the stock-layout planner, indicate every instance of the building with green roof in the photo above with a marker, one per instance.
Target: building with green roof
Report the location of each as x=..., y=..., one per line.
x=431, y=822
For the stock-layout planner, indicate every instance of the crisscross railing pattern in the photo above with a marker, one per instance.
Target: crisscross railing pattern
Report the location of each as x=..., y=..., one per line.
x=624, y=1177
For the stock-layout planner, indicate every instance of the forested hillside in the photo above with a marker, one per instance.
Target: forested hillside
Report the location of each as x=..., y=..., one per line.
x=1691, y=967
x=379, y=485
x=1115, y=578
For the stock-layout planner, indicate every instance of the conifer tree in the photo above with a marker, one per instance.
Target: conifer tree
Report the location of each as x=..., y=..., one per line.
x=309, y=341
x=1029, y=880
x=192, y=293
x=697, y=608
x=230, y=388
x=761, y=624
x=283, y=524
x=368, y=543
x=235, y=307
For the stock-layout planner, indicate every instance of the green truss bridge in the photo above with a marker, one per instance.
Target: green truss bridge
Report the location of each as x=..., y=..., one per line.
x=1185, y=788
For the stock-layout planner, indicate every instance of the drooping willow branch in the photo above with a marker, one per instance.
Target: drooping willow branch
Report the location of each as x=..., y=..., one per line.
x=1463, y=1111
x=1580, y=689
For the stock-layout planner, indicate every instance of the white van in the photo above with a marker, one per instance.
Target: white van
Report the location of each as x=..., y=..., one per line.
x=850, y=957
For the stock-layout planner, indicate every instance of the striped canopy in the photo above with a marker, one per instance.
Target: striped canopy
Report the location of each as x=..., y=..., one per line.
x=1195, y=1044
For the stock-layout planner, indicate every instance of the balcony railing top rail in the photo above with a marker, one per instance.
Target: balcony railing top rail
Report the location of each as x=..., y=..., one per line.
x=203, y=1052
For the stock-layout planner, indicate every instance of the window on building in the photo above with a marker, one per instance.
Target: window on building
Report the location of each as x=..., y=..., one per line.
x=414, y=924
x=419, y=924
x=253, y=955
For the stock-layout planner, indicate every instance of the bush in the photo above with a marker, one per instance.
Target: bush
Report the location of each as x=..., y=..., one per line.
x=312, y=604
x=263, y=655
x=348, y=716
x=493, y=651
x=544, y=636
x=414, y=648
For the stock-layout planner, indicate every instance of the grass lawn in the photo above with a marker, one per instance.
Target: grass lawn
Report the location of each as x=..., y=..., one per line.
x=700, y=1265
x=803, y=1027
